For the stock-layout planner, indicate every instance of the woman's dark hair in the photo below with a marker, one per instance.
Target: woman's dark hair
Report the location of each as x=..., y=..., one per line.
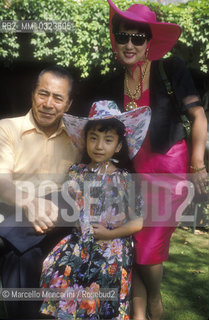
x=104, y=125
x=129, y=25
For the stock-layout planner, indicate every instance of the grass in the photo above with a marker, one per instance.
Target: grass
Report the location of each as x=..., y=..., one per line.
x=185, y=286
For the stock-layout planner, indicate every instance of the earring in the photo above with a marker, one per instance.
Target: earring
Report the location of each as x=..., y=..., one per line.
x=146, y=52
x=115, y=55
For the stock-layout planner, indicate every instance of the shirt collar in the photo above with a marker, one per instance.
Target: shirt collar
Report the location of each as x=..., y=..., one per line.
x=29, y=125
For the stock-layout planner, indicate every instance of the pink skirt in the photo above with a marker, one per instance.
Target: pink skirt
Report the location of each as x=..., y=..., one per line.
x=162, y=181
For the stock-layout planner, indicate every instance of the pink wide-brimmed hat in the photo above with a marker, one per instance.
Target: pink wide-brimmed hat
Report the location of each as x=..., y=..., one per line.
x=164, y=35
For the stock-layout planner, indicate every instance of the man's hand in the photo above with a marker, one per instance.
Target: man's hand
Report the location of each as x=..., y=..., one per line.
x=42, y=214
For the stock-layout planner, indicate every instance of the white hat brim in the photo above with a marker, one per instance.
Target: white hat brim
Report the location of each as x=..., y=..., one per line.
x=136, y=122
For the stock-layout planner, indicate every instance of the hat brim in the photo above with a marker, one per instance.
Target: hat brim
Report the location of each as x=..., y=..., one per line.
x=136, y=122
x=164, y=35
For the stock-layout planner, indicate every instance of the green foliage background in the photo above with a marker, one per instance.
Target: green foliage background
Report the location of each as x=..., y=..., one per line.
x=88, y=46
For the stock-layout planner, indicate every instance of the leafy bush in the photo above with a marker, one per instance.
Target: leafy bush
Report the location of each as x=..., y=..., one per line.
x=8, y=41
x=87, y=45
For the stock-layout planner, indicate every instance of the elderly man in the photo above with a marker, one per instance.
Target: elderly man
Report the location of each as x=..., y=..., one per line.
x=35, y=154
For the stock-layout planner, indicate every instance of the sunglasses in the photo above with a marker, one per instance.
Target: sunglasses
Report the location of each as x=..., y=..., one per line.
x=138, y=39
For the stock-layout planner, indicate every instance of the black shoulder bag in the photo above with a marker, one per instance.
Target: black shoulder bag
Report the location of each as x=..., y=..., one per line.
x=185, y=121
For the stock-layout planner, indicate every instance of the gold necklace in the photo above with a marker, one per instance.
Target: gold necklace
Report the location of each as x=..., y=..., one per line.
x=132, y=95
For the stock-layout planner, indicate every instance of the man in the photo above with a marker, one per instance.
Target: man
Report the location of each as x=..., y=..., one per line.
x=35, y=154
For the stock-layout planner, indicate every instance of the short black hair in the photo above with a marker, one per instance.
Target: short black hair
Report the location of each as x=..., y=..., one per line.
x=59, y=72
x=104, y=125
x=141, y=27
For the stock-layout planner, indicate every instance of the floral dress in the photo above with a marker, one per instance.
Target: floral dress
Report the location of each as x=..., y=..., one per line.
x=97, y=272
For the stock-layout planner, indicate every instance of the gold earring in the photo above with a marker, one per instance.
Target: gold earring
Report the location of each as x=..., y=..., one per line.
x=115, y=54
x=146, y=52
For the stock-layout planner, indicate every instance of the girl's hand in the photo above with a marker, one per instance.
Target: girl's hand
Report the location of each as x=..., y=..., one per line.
x=101, y=233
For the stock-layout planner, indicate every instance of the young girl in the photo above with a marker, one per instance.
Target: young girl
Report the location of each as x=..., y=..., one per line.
x=94, y=261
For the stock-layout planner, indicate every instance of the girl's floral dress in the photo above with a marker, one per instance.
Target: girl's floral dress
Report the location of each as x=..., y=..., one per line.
x=95, y=273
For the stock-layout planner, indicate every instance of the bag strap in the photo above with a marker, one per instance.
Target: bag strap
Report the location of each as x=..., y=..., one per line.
x=168, y=86
x=185, y=121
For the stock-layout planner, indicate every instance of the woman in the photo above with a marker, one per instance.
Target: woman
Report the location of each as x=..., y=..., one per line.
x=139, y=41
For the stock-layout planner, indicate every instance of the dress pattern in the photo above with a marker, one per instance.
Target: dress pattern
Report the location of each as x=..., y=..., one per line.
x=82, y=264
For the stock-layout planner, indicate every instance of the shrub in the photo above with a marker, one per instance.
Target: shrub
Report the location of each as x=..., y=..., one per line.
x=87, y=45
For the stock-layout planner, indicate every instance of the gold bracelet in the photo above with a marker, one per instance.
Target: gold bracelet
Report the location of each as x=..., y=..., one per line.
x=193, y=169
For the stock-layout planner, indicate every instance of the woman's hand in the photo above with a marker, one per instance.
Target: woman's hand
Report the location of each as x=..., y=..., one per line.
x=101, y=233
x=199, y=138
x=199, y=179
